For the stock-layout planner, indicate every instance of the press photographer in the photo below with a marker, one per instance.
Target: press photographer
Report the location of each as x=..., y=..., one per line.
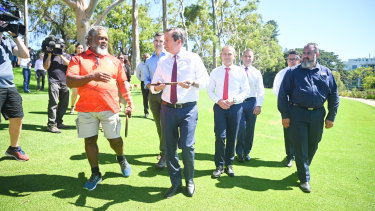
x=56, y=62
x=10, y=99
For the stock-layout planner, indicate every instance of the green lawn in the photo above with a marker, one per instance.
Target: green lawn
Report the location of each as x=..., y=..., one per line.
x=342, y=173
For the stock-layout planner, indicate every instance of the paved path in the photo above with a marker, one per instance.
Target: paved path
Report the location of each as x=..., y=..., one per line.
x=367, y=101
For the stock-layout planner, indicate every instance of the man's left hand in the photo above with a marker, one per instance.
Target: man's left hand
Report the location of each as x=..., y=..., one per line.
x=257, y=110
x=185, y=84
x=329, y=124
x=128, y=111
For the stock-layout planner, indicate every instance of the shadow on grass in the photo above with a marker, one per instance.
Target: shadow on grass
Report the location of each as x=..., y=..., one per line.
x=258, y=184
x=35, y=127
x=256, y=162
x=70, y=187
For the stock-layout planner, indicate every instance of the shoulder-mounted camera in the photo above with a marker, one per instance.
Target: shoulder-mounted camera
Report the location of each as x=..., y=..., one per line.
x=52, y=44
x=10, y=14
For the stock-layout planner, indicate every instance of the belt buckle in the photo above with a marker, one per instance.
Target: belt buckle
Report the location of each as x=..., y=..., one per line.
x=310, y=109
x=177, y=106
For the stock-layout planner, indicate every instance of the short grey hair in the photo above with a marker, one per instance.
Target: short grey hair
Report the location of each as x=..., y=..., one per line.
x=177, y=33
x=93, y=32
x=316, y=48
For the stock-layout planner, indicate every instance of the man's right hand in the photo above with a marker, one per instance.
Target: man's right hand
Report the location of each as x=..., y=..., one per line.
x=223, y=104
x=286, y=122
x=159, y=87
x=101, y=76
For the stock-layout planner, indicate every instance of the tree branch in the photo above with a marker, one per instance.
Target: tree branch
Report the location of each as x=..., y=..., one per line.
x=71, y=3
x=100, y=18
x=90, y=10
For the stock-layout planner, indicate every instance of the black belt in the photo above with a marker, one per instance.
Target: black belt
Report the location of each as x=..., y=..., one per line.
x=307, y=108
x=249, y=98
x=181, y=105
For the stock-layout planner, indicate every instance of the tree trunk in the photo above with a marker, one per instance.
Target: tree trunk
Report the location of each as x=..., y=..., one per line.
x=165, y=20
x=183, y=23
x=135, y=47
x=26, y=21
x=215, y=32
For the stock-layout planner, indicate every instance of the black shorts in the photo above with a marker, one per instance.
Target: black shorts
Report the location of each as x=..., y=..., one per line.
x=10, y=103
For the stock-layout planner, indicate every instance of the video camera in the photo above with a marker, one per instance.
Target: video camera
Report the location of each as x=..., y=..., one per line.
x=10, y=14
x=55, y=43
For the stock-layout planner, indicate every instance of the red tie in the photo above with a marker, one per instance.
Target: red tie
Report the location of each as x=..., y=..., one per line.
x=246, y=72
x=226, y=82
x=174, y=79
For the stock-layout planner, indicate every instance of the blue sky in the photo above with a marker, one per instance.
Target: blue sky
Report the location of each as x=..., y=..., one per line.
x=345, y=27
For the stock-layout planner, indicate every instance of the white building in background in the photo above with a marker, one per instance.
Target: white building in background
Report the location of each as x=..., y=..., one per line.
x=353, y=64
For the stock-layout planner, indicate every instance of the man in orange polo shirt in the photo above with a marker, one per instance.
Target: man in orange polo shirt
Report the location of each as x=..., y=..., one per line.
x=98, y=76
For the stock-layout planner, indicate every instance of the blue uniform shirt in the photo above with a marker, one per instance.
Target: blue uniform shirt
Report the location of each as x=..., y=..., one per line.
x=151, y=64
x=310, y=89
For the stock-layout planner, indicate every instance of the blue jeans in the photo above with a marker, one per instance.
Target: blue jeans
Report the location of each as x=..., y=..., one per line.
x=26, y=79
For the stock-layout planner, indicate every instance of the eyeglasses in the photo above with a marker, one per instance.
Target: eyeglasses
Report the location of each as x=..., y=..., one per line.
x=292, y=59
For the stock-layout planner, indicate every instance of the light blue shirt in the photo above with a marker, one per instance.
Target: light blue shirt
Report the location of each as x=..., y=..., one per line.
x=151, y=64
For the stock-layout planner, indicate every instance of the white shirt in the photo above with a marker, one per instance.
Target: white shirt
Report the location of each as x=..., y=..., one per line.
x=25, y=63
x=278, y=79
x=256, y=84
x=140, y=71
x=189, y=67
x=39, y=65
x=238, y=88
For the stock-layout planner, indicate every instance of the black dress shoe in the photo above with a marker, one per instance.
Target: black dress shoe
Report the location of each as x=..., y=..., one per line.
x=219, y=170
x=305, y=187
x=172, y=191
x=230, y=171
x=190, y=188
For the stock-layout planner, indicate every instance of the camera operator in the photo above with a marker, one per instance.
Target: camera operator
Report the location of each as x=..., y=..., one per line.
x=10, y=99
x=56, y=66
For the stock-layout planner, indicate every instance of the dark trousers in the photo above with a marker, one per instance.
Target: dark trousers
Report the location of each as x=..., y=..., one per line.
x=226, y=127
x=178, y=126
x=40, y=76
x=57, y=103
x=145, y=97
x=155, y=107
x=247, y=126
x=26, y=79
x=288, y=144
x=306, y=130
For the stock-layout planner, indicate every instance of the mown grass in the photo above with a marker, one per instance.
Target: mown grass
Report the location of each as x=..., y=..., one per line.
x=342, y=173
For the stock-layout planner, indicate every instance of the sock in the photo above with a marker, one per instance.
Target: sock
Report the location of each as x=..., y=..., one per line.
x=95, y=170
x=121, y=158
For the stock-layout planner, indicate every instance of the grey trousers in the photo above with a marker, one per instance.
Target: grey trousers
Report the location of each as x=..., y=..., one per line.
x=57, y=103
x=155, y=106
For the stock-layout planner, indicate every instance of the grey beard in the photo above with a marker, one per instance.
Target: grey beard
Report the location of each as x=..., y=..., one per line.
x=100, y=51
x=307, y=64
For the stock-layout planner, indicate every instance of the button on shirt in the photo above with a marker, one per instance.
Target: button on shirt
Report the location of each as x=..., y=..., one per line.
x=140, y=70
x=238, y=87
x=278, y=79
x=310, y=89
x=255, y=80
x=151, y=64
x=189, y=68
